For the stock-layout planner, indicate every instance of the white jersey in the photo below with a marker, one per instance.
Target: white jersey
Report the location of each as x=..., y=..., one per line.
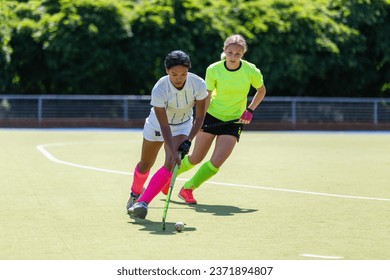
x=177, y=103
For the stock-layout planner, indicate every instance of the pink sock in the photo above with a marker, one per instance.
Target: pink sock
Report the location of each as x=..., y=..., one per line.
x=138, y=181
x=158, y=181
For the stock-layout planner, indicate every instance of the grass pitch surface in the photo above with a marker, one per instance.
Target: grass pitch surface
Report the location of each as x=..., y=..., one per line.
x=280, y=196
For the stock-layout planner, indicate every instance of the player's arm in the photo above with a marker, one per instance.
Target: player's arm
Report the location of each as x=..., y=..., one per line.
x=167, y=134
x=200, y=107
x=208, y=98
x=259, y=96
x=246, y=117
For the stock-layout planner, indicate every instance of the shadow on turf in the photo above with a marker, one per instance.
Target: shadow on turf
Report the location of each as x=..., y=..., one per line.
x=217, y=210
x=156, y=227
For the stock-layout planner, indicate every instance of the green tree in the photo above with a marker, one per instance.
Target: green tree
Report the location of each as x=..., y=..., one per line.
x=161, y=26
x=367, y=73
x=303, y=47
x=78, y=49
x=295, y=42
x=7, y=17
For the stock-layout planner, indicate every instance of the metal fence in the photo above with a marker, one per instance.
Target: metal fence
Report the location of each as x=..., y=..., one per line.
x=131, y=110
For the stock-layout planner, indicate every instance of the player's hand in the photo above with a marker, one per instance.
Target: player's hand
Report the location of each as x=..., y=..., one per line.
x=184, y=148
x=177, y=159
x=246, y=117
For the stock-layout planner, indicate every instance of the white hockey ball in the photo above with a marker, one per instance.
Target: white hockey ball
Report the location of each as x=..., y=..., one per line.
x=179, y=226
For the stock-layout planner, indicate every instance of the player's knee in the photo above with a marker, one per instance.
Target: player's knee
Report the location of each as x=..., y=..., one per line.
x=144, y=167
x=194, y=160
x=217, y=163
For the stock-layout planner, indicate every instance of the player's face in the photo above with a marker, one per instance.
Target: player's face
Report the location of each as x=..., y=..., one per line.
x=178, y=75
x=234, y=53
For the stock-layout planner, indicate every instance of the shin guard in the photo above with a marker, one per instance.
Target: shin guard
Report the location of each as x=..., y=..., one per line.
x=157, y=182
x=184, y=166
x=205, y=172
x=139, y=180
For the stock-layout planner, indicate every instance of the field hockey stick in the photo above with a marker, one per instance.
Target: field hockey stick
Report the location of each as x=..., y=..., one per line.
x=221, y=124
x=168, y=198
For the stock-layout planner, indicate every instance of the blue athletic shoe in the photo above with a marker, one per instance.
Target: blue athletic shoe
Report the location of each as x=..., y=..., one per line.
x=139, y=210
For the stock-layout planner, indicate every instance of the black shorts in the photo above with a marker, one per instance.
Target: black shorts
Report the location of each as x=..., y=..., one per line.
x=215, y=126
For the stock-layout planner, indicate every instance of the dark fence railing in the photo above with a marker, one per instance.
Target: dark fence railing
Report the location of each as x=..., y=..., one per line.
x=130, y=111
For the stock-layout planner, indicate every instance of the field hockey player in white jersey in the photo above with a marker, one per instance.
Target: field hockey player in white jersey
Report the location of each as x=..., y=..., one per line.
x=170, y=123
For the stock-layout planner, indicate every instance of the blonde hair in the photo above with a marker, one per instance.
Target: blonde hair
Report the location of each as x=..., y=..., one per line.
x=236, y=39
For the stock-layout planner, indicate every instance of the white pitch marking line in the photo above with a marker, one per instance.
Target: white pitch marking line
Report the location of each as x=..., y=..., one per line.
x=48, y=155
x=302, y=192
x=321, y=257
x=42, y=149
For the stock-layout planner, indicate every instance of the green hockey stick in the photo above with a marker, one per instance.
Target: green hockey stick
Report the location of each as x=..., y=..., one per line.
x=168, y=198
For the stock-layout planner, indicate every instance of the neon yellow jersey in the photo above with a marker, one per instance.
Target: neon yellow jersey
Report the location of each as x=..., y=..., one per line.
x=230, y=88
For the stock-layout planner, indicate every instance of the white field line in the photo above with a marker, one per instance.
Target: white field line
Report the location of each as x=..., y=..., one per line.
x=42, y=149
x=322, y=257
x=48, y=155
x=302, y=192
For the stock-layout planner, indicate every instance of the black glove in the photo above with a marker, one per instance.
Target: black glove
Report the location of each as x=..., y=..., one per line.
x=184, y=148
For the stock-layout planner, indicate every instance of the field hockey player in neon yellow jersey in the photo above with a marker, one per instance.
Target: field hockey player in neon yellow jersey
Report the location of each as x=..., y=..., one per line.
x=228, y=83
x=170, y=123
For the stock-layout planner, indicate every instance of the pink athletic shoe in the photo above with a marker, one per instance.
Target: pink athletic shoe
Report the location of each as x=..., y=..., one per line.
x=187, y=196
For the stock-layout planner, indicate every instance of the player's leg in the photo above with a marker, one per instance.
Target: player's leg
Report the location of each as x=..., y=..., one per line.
x=168, y=162
x=180, y=133
x=149, y=154
x=202, y=144
x=223, y=148
x=160, y=179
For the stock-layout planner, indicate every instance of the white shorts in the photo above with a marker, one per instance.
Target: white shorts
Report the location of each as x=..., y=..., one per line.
x=152, y=130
